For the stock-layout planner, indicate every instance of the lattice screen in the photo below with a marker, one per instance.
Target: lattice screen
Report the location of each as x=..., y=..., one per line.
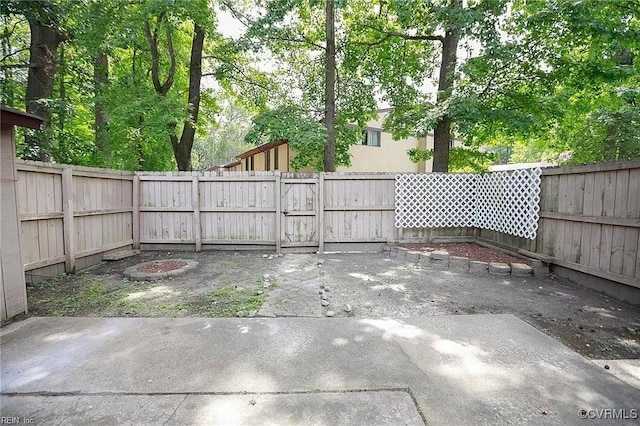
x=502, y=201
x=435, y=200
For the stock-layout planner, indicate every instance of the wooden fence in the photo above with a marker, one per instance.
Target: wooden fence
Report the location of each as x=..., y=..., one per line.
x=589, y=218
x=318, y=212
x=70, y=216
x=589, y=221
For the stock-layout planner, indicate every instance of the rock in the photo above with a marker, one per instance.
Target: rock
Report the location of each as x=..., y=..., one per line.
x=498, y=268
x=266, y=284
x=320, y=262
x=459, y=263
x=259, y=292
x=330, y=314
x=325, y=303
x=320, y=291
x=347, y=308
x=413, y=256
x=252, y=314
x=439, y=255
x=477, y=267
x=323, y=296
x=521, y=270
x=240, y=314
x=270, y=257
x=326, y=288
x=265, y=256
x=266, y=277
x=280, y=254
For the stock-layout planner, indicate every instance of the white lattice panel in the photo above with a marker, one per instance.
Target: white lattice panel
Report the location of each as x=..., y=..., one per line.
x=502, y=201
x=509, y=202
x=435, y=200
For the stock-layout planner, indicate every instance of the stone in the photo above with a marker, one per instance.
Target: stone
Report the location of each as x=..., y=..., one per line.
x=280, y=254
x=439, y=255
x=320, y=262
x=540, y=269
x=521, y=270
x=270, y=257
x=498, y=268
x=413, y=256
x=459, y=263
x=320, y=291
x=477, y=267
x=425, y=260
x=265, y=256
x=266, y=284
x=266, y=277
x=324, y=296
x=330, y=314
x=326, y=288
x=402, y=252
x=347, y=308
x=240, y=314
x=259, y=292
x=325, y=303
x=252, y=314
x=439, y=260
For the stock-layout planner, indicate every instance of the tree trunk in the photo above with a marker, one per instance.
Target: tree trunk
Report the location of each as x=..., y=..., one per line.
x=442, y=132
x=182, y=147
x=101, y=121
x=44, y=43
x=329, y=90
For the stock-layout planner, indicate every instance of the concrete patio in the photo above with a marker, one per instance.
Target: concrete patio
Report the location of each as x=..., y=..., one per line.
x=472, y=369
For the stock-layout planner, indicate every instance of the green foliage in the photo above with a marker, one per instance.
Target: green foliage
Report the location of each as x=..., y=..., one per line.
x=305, y=134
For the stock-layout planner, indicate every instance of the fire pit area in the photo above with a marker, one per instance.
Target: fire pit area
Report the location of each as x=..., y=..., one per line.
x=159, y=269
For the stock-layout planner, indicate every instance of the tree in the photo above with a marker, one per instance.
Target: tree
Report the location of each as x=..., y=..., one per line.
x=401, y=45
x=46, y=34
x=318, y=86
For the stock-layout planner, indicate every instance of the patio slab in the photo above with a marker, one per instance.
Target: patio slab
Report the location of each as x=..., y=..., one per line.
x=472, y=369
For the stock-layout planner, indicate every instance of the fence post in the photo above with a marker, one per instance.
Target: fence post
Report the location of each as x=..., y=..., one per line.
x=136, y=212
x=67, y=220
x=195, y=201
x=278, y=205
x=320, y=210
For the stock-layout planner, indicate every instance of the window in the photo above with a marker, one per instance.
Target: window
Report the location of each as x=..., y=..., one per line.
x=371, y=138
x=250, y=168
x=275, y=159
x=267, y=160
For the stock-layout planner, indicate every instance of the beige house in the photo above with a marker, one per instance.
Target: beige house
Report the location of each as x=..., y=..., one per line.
x=377, y=152
x=13, y=291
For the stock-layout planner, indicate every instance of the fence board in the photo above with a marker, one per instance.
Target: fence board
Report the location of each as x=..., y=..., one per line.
x=71, y=212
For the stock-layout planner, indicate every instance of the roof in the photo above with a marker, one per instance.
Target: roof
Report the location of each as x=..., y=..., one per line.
x=223, y=166
x=261, y=148
x=13, y=117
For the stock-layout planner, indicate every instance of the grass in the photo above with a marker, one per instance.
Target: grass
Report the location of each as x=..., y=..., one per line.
x=227, y=301
x=87, y=295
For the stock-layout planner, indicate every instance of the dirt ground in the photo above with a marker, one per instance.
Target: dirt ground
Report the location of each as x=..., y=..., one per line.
x=372, y=285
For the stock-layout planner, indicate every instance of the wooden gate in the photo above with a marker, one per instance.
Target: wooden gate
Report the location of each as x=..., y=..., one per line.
x=299, y=201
